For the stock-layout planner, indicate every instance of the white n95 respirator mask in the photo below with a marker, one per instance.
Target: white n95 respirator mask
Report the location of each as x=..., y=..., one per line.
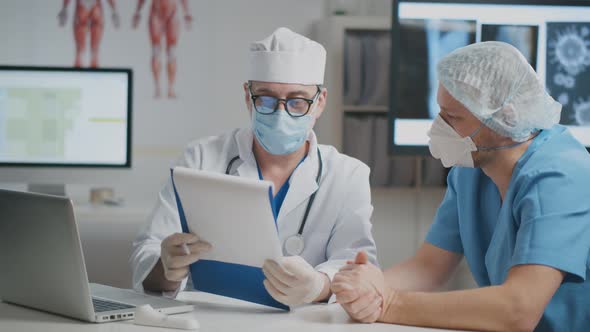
x=445, y=144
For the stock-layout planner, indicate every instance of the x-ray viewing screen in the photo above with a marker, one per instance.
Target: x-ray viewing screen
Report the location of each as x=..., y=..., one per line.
x=555, y=39
x=64, y=117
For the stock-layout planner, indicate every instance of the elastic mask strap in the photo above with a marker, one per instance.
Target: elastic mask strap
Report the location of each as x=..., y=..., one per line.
x=504, y=147
x=315, y=102
x=484, y=148
x=476, y=131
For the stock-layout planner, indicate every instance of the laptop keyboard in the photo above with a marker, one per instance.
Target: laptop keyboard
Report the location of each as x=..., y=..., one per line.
x=101, y=305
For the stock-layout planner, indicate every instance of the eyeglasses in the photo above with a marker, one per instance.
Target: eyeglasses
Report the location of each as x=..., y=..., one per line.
x=295, y=107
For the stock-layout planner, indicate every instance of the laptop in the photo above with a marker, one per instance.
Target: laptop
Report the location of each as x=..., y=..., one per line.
x=43, y=265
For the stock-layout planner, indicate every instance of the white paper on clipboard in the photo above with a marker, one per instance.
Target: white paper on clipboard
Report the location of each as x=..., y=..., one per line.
x=230, y=212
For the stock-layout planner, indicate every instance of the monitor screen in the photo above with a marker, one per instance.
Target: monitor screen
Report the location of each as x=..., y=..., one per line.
x=65, y=117
x=553, y=36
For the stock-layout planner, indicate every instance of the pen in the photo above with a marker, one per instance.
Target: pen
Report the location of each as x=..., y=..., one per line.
x=187, y=251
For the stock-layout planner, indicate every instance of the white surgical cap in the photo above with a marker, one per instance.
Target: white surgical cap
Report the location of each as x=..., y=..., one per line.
x=495, y=82
x=287, y=57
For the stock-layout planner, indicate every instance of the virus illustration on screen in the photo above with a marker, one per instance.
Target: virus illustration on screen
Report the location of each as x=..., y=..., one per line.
x=564, y=80
x=582, y=111
x=570, y=49
x=563, y=99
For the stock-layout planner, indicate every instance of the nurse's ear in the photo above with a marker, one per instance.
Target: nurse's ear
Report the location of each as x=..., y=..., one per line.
x=247, y=98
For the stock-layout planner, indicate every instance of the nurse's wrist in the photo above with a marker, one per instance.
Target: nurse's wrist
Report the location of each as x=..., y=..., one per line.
x=392, y=303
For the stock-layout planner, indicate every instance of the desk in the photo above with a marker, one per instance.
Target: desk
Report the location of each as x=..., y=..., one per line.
x=215, y=314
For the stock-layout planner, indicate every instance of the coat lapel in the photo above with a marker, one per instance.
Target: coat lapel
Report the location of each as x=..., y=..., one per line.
x=247, y=168
x=303, y=181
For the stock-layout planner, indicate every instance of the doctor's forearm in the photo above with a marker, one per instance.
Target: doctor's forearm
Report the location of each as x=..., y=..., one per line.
x=482, y=309
x=157, y=282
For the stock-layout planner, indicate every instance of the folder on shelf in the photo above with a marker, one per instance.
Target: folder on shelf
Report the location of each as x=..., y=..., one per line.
x=381, y=172
x=370, y=69
x=358, y=136
x=353, y=66
x=380, y=95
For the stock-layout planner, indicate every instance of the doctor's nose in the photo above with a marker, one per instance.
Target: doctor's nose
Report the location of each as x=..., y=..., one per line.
x=281, y=104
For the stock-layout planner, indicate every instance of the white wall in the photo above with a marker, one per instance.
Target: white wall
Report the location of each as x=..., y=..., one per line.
x=212, y=62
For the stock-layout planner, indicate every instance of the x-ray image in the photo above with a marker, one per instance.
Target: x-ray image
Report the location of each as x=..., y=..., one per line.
x=425, y=42
x=568, y=69
x=523, y=37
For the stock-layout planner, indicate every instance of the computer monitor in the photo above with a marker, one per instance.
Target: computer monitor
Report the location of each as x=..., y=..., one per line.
x=61, y=119
x=554, y=36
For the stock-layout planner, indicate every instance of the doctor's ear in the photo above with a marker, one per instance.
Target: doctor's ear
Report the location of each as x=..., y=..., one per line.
x=247, y=97
x=323, y=97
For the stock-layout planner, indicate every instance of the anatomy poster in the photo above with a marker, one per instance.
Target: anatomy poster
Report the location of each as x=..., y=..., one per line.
x=568, y=70
x=159, y=26
x=88, y=20
x=164, y=33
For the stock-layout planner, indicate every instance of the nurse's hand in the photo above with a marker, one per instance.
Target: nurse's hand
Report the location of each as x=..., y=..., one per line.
x=361, y=290
x=179, y=251
x=292, y=281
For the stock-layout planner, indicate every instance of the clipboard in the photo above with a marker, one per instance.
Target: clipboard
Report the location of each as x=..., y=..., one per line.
x=234, y=215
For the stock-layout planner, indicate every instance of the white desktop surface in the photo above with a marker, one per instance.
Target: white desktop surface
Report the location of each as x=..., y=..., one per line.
x=214, y=313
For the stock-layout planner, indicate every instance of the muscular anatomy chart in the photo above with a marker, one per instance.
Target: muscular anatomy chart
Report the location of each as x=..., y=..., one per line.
x=164, y=24
x=88, y=21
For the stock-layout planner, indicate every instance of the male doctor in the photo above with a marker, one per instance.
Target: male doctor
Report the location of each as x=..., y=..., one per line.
x=321, y=199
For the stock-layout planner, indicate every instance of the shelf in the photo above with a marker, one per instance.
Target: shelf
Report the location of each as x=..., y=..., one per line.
x=351, y=22
x=105, y=214
x=365, y=108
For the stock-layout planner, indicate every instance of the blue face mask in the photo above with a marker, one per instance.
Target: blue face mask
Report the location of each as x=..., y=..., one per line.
x=279, y=133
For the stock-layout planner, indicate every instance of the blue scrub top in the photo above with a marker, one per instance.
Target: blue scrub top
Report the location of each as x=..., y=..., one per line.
x=544, y=219
x=277, y=201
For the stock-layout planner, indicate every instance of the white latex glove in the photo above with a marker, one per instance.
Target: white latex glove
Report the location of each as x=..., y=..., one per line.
x=179, y=251
x=292, y=280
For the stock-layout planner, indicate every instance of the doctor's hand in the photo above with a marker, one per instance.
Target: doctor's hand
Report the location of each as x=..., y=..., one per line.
x=361, y=290
x=179, y=251
x=292, y=281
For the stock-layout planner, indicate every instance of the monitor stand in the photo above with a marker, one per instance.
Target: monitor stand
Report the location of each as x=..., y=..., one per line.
x=51, y=189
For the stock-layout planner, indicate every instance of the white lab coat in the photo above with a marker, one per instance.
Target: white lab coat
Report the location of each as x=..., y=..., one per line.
x=338, y=225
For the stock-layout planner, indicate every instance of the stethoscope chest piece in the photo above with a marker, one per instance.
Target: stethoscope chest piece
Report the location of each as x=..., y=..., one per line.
x=294, y=245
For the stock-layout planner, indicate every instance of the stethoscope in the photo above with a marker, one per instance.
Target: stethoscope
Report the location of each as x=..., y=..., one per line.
x=294, y=245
